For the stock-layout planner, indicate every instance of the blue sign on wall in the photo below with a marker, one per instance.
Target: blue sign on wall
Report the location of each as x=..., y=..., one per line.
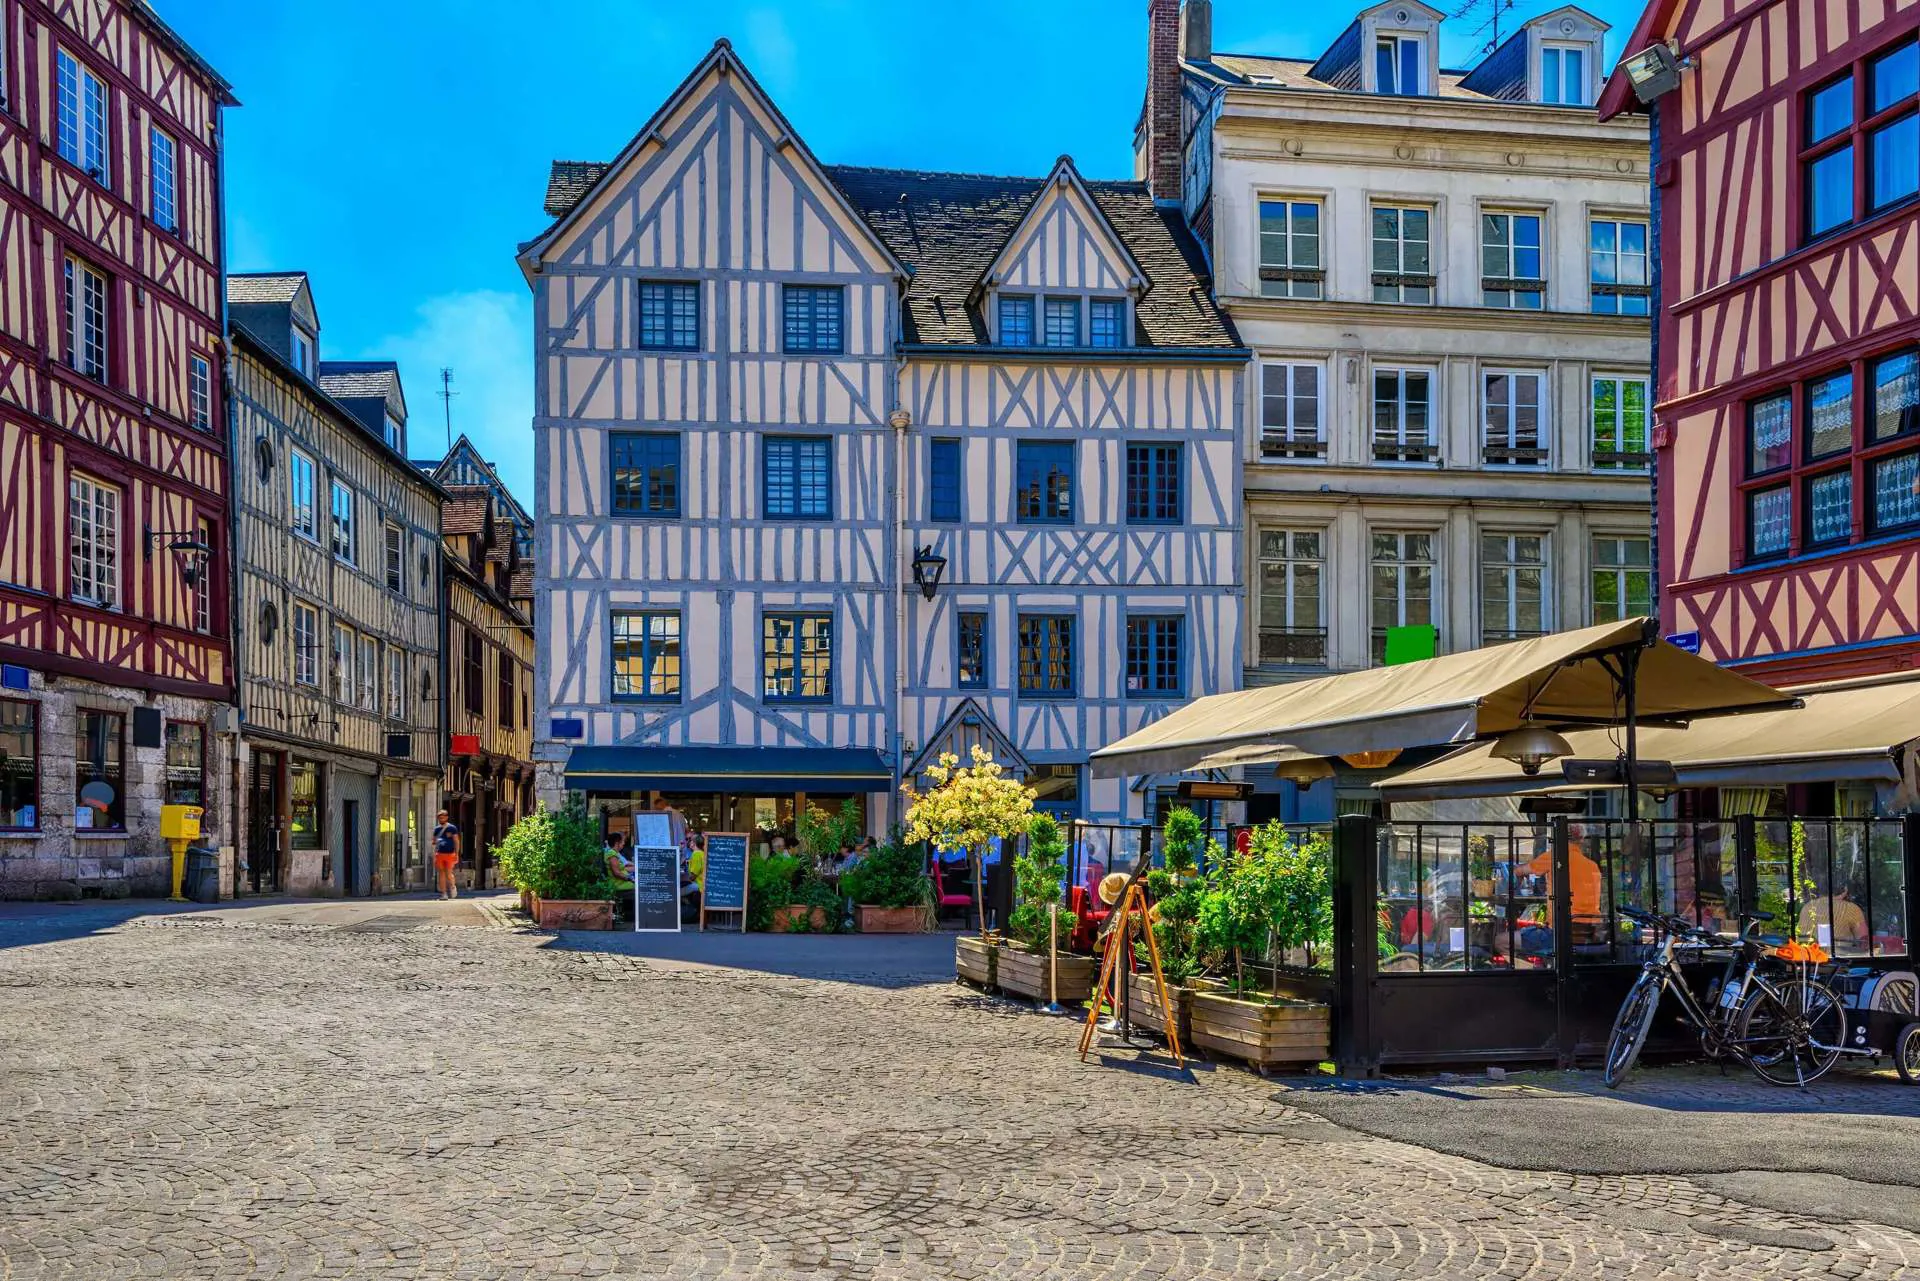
x=569, y=727
x=1689, y=641
x=15, y=677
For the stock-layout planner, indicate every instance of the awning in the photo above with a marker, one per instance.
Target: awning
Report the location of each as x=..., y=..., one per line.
x=1559, y=680
x=1843, y=733
x=728, y=769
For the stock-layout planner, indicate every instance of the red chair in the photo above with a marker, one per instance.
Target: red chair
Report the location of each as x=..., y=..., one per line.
x=943, y=900
x=1090, y=914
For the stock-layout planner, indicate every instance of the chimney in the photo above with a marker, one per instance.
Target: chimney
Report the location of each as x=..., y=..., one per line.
x=1196, y=30
x=1163, y=99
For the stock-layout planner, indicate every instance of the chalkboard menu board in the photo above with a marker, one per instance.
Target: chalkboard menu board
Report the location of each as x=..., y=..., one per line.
x=726, y=880
x=656, y=888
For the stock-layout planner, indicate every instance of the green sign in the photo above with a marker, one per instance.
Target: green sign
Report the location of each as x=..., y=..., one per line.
x=1411, y=644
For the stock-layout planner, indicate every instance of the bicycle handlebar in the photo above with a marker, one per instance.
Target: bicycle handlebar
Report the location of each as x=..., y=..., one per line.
x=1678, y=926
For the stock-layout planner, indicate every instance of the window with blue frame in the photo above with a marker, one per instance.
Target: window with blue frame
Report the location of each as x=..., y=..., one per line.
x=1105, y=316
x=797, y=658
x=797, y=474
x=669, y=316
x=814, y=316
x=644, y=473
x=1016, y=321
x=1153, y=484
x=1062, y=317
x=1043, y=479
x=970, y=669
x=1153, y=656
x=646, y=655
x=1046, y=655
x=943, y=480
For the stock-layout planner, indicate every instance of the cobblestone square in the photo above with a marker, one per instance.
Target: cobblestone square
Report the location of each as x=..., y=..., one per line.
x=410, y=1089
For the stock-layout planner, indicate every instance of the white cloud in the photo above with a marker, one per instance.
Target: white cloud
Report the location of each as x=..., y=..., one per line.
x=484, y=336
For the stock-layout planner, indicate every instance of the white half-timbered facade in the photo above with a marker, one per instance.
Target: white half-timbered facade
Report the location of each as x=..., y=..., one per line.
x=774, y=398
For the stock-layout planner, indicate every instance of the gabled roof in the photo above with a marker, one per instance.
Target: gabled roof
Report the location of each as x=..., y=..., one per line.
x=967, y=723
x=265, y=286
x=466, y=510
x=1064, y=174
x=441, y=468
x=365, y=380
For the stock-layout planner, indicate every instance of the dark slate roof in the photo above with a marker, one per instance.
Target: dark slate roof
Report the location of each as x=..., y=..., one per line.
x=1262, y=71
x=569, y=181
x=351, y=379
x=265, y=286
x=949, y=227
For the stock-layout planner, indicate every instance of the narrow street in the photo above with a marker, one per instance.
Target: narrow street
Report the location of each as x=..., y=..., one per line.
x=410, y=1088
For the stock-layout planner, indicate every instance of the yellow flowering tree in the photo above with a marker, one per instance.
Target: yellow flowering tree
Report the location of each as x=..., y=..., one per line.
x=967, y=806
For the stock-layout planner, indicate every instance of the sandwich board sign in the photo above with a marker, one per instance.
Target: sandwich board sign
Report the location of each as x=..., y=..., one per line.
x=725, y=886
x=656, y=888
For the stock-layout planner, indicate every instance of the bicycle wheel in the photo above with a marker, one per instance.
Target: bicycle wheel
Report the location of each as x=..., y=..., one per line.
x=1791, y=1035
x=1630, y=1027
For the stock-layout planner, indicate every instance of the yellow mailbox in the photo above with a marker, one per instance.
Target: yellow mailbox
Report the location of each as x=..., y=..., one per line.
x=179, y=826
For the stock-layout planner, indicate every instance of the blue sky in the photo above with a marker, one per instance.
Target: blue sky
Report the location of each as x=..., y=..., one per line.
x=398, y=149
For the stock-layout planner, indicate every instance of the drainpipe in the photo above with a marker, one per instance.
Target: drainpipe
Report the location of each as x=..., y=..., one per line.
x=900, y=420
x=236, y=652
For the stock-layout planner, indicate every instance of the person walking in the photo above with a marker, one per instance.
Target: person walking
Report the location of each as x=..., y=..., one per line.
x=446, y=855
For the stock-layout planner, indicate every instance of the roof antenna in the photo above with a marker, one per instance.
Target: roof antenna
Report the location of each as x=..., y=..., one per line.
x=447, y=393
x=1495, y=8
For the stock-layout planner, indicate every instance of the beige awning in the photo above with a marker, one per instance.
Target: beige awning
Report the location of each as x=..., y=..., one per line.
x=1844, y=732
x=1556, y=680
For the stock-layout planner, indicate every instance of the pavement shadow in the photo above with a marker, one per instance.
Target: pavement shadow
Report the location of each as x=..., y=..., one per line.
x=868, y=960
x=28, y=924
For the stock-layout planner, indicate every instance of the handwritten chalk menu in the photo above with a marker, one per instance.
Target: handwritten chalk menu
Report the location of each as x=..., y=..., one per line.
x=656, y=888
x=726, y=881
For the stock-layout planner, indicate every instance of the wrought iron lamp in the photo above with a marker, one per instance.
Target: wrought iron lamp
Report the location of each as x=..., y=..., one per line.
x=929, y=567
x=192, y=552
x=1530, y=747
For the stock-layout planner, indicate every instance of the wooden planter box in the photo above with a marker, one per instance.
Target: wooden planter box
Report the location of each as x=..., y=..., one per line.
x=783, y=918
x=1024, y=973
x=1143, y=1006
x=976, y=960
x=890, y=920
x=1262, y=1034
x=573, y=913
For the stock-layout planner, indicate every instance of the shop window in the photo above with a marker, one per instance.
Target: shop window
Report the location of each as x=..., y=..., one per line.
x=19, y=766
x=99, y=772
x=303, y=792
x=186, y=747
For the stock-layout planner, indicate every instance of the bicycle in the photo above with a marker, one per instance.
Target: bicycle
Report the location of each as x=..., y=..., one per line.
x=1788, y=1030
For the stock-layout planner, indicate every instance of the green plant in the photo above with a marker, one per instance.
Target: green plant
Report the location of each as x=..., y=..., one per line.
x=893, y=874
x=1276, y=897
x=811, y=892
x=1479, y=859
x=1039, y=873
x=557, y=854
x=822, y=834
x=967, y=806
x=770, y=884
x=1782, y=876
x=1176, y=891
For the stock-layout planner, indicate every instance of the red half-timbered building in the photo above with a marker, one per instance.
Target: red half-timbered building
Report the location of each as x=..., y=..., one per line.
x=113, y=446
x=1786, y=175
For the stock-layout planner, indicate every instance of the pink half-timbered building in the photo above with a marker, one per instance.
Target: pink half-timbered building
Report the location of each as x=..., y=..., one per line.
x=114, y=657
x=1786, y=187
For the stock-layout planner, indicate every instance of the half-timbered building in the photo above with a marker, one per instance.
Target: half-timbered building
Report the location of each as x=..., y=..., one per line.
x=1786, y=162
x=838, y=468
x=114, y=564
x=465, y=465
x=1443, y=275
x=340, y=665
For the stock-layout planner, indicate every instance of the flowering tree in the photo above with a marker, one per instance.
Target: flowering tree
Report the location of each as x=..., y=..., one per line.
x=967, y=806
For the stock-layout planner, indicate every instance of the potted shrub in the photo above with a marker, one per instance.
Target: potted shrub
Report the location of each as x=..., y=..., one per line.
x=1175, y=889
x=890, y=889
x=557, y=862
x=771, y=879
x=1480, y=866
x=1024, y=964
x=1276, y=897
x=813, y=907
x=967, y=806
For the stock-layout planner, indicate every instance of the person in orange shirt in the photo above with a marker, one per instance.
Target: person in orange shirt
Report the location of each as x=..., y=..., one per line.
x=1583, y=890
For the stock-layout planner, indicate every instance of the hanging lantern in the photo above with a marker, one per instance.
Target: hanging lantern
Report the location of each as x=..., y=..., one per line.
x=1305, y=771
x=1530, y=747
x=1372, y=760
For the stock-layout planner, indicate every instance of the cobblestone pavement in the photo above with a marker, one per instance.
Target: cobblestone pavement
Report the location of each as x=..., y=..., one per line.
x=392, y=1090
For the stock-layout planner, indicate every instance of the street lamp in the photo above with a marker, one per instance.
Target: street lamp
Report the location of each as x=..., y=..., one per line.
x=192, y=552
x=928, y=568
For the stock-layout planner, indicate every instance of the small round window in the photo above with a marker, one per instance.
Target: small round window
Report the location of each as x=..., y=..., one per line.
x=263, y=457
x=269, y=621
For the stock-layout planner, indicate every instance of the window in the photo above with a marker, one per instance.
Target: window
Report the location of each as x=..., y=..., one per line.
x=1290, y=249
x=970, y=667
x=98, y=776
x=186, y=748
x=306, y=644
x=1046, y=654
x=303, y=778
x=1062, y=317
x=504, y=700
x=646, y=655
x=798, y=477
x=203, y=594
x=1830, y=415
x=1617, y=268
x=19, y=766
x=670, y=317
x=1403, y=416
x=1769, y=521
x=1512, y=408
x=1399, y=65
x=1153, y=484
x=797, y=657
x=396, y=683
x=340, y=663
x=1290, y=411
x=1402, y=255
x=162, y=180
x=1043, y=479
x=393, y=541
x=1510, y=265
x=1895, y=504
x=369, y=670
x=1896, y=395
x=1153, y=656
x=93, y=534
x=343, y=541
x=813, y=318
x=1893, y=127
x=1016, y=321
x=1293, y=629
x=1770, y=434
x=943, y=480
x=1401, y=571
x=646, y=473
x=1829, y=508
x=473, y=672
x=86, y=303
x=81, y=106
x=1839, y=141
x=300, y=344
x=1106, y=316
x=1563, y=75
x=1622, y=572
x=393, y=433
x=1513, y=602
x=200, y=393
x=300, y=482
x=1619, y=423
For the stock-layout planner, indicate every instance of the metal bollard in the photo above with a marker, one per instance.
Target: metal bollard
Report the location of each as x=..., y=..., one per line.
x=1053, y=1005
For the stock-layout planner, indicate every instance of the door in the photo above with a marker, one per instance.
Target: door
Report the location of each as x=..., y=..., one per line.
x=263, y=824
x=351, y=851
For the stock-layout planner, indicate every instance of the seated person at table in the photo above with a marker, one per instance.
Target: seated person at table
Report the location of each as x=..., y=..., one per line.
x=693, y=871
x=1583, y=891
x=1842, y=913
x=619, y=866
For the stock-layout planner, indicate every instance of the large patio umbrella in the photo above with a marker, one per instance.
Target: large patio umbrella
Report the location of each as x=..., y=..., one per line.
x=1614, y=674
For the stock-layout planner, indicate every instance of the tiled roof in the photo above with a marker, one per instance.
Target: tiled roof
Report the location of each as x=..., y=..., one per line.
x=521, y=587
x=266, y=286
x=352, y=379
x=569, y=181
x=1262, y=72
x=949, y=228
x=465, y=511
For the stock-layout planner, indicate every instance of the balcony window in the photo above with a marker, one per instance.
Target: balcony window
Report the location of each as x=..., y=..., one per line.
x=1293, y=629
x=1513, y=595
x=1290, y=411
x=1622, y=573
x=1403, y=428
x=1400, y=570
x=1618, y=278
x=1290, y=249
x=1512, y=409
x=1402, y=255
x=1510, y=262
x=1619, y=423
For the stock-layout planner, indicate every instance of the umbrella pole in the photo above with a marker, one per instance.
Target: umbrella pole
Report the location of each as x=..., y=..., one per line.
x=1629, y=672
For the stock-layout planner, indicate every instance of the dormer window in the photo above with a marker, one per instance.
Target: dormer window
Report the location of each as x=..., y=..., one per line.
x=1016, y=320
x=1399, y=64
x=1563, y=75
x=301, y=349
x=392, y=431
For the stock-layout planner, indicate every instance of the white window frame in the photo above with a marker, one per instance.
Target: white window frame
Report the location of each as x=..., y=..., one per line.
x=93, y=541
x=392, y=431
x=163, y=179
x=1404, y=450
x=1397, y=293
x=306, y=644
x=1619, y=222
x=340, y=663
x=1400, y=40
x=1312, y=276
x=1508, y=433
x=1584, y=96
x=1291, y=562
x=1618, y=569
x=1402, y=563
x=200, y=392
x=396, y=683
x=1285, y=436
x=80, y=116
x=303, y=509
x=300, y=346
x=393, y=546
x=342, y=521
x=1481, y=247
x=367, y=667
x=1620, y=384
x=1494, y=631
x=203, y=594
x=88, y=299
